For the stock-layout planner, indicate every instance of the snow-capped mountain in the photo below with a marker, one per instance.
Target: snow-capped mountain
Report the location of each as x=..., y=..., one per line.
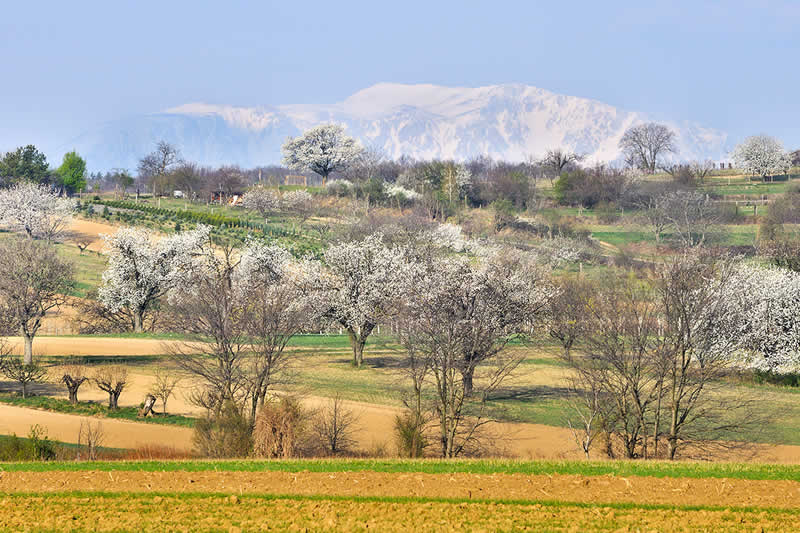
x=422, y=121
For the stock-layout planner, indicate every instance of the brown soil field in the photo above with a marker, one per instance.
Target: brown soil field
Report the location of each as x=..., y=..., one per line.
x=90, y=346
x=121, y=512
x=518, y=487
x=86, y=230
x=116, y=433
x=180, y=501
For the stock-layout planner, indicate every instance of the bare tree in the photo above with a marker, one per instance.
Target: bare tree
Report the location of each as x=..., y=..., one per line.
x=654, y=213
x=280, y=310
x=691, y=215
x=334, y=426
x=567, y=312
x=164, y=385
x=415, y=367
x=73, y=375
x=155, y=166
x=111, y=379
x=24, y=373
x=643, y=144
x=557, y=160
x=656, y=352
x=586, y=405
x=210, y=309
x=242, y=315
x=622, y=347
x=696, y=355
x=92, y=436
x=82, y=244
x=701, y=169
x=34, y=281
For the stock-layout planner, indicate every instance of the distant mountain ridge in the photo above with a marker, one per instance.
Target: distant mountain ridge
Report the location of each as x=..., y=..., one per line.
x=509, y=121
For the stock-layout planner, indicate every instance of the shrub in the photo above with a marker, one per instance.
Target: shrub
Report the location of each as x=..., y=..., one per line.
x=334, y=428
x=37, y=447
x=409, y=435
x=338, y=187
x=280, y=429
x=225, y=433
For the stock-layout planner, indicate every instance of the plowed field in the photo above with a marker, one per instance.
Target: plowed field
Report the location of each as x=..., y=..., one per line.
x=209, y=500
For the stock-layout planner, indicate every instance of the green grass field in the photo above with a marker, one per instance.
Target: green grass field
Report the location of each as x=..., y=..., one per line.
x=658, y=469
x=60, y=405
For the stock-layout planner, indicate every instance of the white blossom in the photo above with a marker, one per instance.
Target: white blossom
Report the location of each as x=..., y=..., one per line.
x=141, y=269
x=762, y=155
x=397, y=191
x=361, y=283
x=449, y=236
x=560, y=250
x=35, y=209
x=322, y=149
x=464, y=179
x=297, y=200
x=262, y=199
x=261, y=263
x=762, y=312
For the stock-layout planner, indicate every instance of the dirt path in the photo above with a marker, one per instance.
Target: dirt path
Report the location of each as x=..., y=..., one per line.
x=117, y=433
x=82, y=230
x=91, y=346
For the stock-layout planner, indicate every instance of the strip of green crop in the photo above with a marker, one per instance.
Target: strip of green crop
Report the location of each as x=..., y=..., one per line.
x=587, y=468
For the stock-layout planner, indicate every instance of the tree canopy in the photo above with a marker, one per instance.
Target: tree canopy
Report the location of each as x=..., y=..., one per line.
x=322, y=149
x=26, y=163
x=72, y=172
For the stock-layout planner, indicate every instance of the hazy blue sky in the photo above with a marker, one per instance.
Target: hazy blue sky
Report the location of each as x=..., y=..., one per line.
x=66, y=66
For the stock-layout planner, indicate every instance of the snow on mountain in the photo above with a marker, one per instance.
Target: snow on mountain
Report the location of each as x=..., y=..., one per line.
x=422, y=121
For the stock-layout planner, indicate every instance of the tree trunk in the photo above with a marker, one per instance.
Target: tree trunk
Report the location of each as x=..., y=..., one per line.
x=73, y=395
x=137, y=321
x=358, y=341
x=28, y=357
x=466, y=379
x=358, y=352
x=113, y=397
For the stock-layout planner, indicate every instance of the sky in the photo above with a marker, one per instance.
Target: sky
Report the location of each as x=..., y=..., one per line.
x=66, y=67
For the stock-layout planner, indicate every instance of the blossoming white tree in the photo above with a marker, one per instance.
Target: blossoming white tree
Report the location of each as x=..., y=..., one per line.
x=141, y=269
x=323, y=149
x=762, y=155
x=762, y=311
x=457, y=318
x=299, y=203
x=360, y=285
x=262, y=199
x=36, y=210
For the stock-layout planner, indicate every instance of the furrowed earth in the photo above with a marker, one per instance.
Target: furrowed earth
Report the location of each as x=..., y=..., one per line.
x=391, y=501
